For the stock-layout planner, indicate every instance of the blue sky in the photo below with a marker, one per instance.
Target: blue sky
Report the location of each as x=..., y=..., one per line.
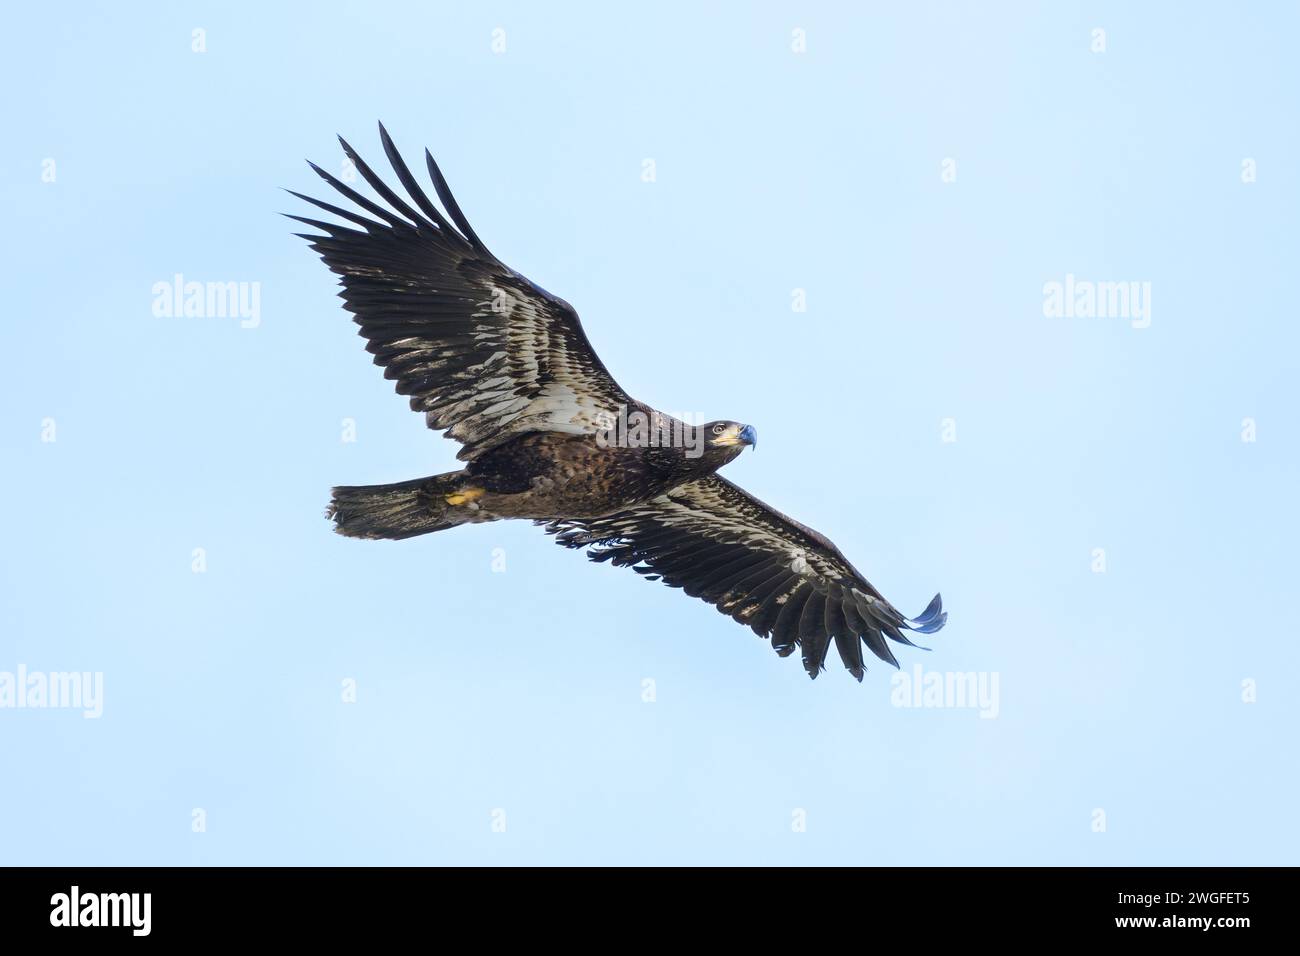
x=1146, y=712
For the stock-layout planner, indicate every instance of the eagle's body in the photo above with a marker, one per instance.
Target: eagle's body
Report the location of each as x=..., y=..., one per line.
x=540, y=476
x=505, y=368
x=548, y=475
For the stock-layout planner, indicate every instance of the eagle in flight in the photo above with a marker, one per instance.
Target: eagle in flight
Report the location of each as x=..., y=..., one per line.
x=504, y=367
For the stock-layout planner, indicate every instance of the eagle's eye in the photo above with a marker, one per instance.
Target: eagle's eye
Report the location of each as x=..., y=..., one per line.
x=719, y=429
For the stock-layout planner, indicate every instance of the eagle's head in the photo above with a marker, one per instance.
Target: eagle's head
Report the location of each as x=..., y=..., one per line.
x=723, y=441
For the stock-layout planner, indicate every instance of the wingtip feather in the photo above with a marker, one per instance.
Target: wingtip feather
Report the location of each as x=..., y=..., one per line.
x=931, y=619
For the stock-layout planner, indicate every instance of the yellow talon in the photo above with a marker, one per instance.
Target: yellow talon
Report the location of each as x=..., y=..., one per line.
x=464, y=496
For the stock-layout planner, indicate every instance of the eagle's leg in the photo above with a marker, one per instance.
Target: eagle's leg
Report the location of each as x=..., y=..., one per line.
x=476, y=481
x=464, y=496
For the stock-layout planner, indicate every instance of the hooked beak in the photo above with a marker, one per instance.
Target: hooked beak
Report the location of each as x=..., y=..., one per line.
x=737, y=435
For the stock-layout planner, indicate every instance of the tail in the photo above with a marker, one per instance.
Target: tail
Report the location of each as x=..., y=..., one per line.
x=403, y=509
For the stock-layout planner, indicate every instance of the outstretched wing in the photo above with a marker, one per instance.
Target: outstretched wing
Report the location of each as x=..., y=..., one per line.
x=481, y=350
x=786, y=581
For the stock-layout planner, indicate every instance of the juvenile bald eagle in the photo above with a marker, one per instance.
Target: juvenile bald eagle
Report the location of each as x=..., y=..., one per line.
x=504, y=367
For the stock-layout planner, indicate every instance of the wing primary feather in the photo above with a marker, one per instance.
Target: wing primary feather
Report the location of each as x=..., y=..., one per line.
x=785, y=632
x=381, y=187
x=448, y=200
x=846, y=644
x=410, y=184
x=812, y=633
x=862, y=626
x=371, y=207
x=335, y=210
x=932, y=618
x=764, y=618
x=896, y=634
x=850, y=651
x=333, y=228
x=875, y=641
x=935, y=625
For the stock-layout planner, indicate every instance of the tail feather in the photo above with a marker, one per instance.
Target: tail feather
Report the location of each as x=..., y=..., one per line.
x=403, y=509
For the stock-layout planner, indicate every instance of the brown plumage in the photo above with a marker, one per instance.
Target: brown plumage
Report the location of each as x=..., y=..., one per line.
x=505, y=368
